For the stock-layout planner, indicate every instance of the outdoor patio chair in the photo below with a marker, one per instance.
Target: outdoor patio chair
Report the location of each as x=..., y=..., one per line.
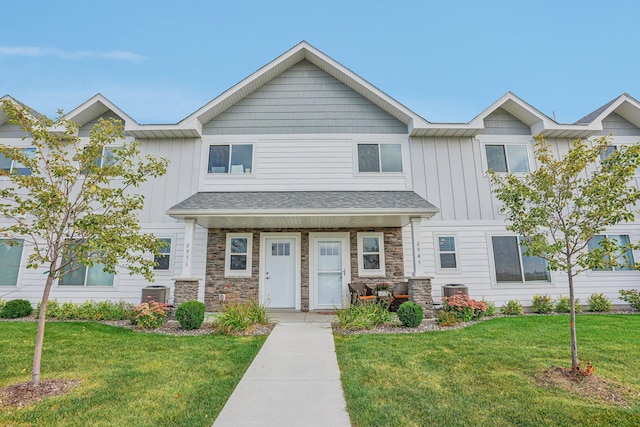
x=361, y=293
x=400, y=295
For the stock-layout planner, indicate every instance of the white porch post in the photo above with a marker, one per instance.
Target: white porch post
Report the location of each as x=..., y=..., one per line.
x=416, y=237
x=187, y=249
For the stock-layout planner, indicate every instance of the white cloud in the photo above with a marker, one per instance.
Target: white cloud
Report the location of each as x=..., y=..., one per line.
x=32, y=51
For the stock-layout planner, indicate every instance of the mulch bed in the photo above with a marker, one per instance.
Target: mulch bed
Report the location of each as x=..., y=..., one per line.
x=22, y=394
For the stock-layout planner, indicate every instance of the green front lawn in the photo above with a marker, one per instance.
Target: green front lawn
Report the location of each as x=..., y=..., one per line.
x=127, y=378
x=487, y=374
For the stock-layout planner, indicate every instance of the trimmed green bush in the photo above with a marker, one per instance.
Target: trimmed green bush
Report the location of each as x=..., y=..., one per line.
x=448, y=318
x=16, y=308
x=599, y=303
x=513, y=308
x=564, y=305
x=542, y=304
x=631, y=296
x=190, y=314
x=410, y=314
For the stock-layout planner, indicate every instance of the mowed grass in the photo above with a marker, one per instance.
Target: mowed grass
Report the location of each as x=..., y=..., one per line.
x=486, y=374
x=127, y=378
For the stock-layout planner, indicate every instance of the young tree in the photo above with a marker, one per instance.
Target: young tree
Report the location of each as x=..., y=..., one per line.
x=72, y=203
x=560, y=207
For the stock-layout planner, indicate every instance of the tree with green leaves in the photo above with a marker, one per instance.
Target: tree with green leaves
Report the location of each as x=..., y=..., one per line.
x=563, y=205
x=74, y=201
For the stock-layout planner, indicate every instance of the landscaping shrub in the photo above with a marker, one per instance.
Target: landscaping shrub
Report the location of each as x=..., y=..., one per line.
x=542, y=304
x=190, y=314
x=448, y=318
x=240, y=316
x=632, y=297
x=150, y=315
x=364, y=316
x=465, y=308
x=513, y=308
x=564, y=305
x=410, y=314
x=16, y=308
x=88, y=310
x=2, y=303
x=491, y=308
x=599, y=303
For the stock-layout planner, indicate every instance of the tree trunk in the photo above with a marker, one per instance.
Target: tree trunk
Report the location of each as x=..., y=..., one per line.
x=574, y=339
x=37, y=353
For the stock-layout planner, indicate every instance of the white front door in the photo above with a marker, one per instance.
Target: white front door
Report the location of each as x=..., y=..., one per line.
x=279, y=290
x=330, y=270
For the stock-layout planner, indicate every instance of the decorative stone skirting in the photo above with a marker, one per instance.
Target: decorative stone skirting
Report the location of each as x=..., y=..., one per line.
x=420, y=293
x=185, y=290
x=246, y=288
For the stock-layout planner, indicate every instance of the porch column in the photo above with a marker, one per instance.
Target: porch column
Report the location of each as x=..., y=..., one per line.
x=416, y=238
x=186, y=287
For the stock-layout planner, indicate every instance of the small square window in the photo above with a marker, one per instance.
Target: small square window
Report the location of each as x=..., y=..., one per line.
x=371, y=254
x=238, y=255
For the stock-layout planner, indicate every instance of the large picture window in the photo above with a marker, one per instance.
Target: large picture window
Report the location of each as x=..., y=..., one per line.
x=84, y=275
x=10, y=256
x=13, y=166
x=236, y=158
x=624, y=257
x=507, y=158
x=238, y=255
x=379, y=158
x=371, y=254
x=512, y=265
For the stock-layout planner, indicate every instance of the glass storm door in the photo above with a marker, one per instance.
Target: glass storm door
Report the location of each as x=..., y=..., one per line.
x=330, y=271
x=280, y=277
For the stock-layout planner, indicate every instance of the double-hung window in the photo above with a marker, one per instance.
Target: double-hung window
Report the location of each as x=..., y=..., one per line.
x=624, y=256
x=163, y=259
x=234, y=158
x=78, y=274
x=607, y=152
x=379, y=158
x=13, y=166
x=507, y=157
x=10, y=256
x=108, y=157
x=447, y=252
x=371, y=254
x=513, y=266
x=237, y=262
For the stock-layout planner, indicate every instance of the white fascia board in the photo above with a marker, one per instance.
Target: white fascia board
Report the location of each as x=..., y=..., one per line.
x=83, y=113
x=183, y=213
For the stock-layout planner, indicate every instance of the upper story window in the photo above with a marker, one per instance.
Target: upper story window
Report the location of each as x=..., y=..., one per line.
x=512, y=265
x=13, y=166
x=379, y=158
x=108, y=157
x=10, y=256
x=234, y=158
x=623, y=256
x=507, y=157
x=609, y=151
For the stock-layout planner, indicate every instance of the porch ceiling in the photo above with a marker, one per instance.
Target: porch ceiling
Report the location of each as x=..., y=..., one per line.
x=303, y=209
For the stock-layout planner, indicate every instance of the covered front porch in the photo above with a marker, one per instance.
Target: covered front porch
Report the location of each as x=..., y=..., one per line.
x=300, y=250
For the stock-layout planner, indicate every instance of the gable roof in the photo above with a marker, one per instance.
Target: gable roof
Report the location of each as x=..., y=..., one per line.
x=624, y=105
x=3, y=116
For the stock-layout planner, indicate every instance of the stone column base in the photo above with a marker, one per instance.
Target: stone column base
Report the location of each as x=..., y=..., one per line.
x=185, y=290
x=420, y=293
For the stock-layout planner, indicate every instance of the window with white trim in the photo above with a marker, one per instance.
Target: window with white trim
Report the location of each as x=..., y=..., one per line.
x=237, y=261
x=379, y=158
x=507, y=157
x=84, y=275
x=624, y=256
x=232, y=158
x=607, y=152
x=447, y=256
x=107, y=158
x=513, y=266
x=163, y=259
x=371, y=254
x=10, y=256
x=13, y=166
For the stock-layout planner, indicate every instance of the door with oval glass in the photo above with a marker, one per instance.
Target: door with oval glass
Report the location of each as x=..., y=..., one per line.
x=329, y=268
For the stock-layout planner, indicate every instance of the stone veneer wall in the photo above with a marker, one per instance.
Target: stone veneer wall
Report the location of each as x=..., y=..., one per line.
x=185, y=290
x=420, y=293
x=246, y=288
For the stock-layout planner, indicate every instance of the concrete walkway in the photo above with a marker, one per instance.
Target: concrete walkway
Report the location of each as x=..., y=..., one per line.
x=293, y=381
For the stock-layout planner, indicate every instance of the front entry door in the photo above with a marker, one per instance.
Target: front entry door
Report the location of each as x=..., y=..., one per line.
x=280, y=273
x=330, y=269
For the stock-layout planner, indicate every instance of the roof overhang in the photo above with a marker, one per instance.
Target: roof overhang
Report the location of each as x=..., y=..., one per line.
x=260, y=209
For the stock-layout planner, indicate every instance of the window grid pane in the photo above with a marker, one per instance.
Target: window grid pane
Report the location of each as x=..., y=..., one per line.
x=368, y=158
x=506, y=258
x=241, y=158
x=219, y=159
x=391, y=157
x=496, y=158
x=518, y=158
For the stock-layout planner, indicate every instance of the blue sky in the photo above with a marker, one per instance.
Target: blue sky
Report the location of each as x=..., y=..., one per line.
x=160, y=60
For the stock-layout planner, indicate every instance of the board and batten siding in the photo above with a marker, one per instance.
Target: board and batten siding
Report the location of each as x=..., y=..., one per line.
x=305, y=163
x=304, y=100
